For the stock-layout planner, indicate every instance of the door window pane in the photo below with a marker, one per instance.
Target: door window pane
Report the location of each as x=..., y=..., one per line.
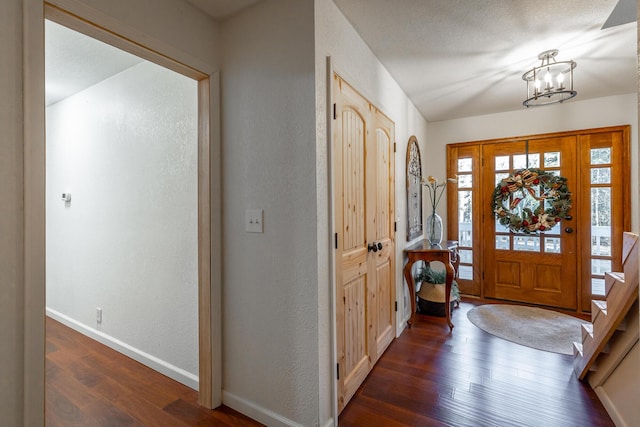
x=465, y=181
x=600, y=156
x=501, y=228
x=502, y=163
x=464, y=218
x=520, y=161
x=502, y=242
x=601, y=206
x=552, y=159
x=601, y=176
x=601, y=241
x=526, y=243
x=500, y=177
x=466, y=256
x=465, y=165
x=552, y=245
x=464, y=235
x=600, y=266
x=597, y=286
x=465, y=272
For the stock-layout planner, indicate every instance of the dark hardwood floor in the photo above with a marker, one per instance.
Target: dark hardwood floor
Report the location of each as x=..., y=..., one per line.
x=89, y=384
x=429, y=377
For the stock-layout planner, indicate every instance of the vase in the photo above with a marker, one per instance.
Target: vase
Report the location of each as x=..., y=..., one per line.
x=434, y=229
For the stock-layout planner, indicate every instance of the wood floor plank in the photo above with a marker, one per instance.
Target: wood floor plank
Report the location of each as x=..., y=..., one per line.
x=427, y=377
x=468, y=377
x=90, y=385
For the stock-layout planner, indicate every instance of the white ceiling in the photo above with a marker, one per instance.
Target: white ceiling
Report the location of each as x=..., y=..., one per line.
x=458, y=58
x=74, y=62
x=453, y=58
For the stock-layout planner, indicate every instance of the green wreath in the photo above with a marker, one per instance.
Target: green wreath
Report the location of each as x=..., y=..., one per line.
x=526, y=184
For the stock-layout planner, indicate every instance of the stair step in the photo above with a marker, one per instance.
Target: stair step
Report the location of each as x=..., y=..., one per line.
x=622, y=326
x=598, y=307
x=577, y=349
x=587, y=329
x=610, y=281
x=608, y=318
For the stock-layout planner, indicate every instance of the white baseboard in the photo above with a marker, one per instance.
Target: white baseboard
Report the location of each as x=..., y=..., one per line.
x=330, y=423
x=257, y=412
x=165, y=368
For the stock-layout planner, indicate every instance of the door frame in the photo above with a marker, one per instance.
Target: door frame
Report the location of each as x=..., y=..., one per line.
x=94, y=24
x=452, y=199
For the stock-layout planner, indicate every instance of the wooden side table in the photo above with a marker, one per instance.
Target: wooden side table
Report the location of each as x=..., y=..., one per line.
x=446, y=253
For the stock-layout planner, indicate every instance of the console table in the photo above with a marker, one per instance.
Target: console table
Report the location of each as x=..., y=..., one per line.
x=446, y=253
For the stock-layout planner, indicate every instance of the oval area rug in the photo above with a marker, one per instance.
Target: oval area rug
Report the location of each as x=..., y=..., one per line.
x=529, y=326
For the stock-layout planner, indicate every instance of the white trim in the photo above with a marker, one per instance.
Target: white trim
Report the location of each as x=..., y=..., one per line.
x=330, y=423
x=257, y=412
x=332, y=231
x=34, y=212
x=153, y=362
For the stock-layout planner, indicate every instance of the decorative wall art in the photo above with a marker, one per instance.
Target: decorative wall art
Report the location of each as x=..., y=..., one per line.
x=414, y=190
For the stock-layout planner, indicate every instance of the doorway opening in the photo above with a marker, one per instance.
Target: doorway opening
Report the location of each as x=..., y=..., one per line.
x=124, y=218
x=121, y=201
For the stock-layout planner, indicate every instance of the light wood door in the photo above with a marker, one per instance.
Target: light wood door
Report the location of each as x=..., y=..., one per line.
x=538, y=268
x=363, y=172
x=495, y=263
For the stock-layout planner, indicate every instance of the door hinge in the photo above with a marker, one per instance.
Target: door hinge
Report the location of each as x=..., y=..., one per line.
x=396, y=305
x=394, y=147
x=395, y=226
x=337, y=371
x=483, y=275
x=335, y=238
x=334, y=111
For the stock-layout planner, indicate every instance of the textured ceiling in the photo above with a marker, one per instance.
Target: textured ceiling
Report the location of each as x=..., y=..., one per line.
x=74, y=62
x=453, y=58
x=458, y=58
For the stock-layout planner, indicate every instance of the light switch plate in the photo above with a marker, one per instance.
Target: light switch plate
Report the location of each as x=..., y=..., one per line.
x=253, y=221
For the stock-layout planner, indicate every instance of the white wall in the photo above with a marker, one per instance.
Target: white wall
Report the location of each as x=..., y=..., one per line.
x=270, y=298
x=353, y=60
x=126, y=149
x=573, y=115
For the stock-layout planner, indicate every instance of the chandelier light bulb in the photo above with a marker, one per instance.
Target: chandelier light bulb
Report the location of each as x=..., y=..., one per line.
x=556, y=73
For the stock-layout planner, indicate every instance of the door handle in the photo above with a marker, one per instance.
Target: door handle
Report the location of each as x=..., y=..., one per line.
x=372, y=247
x=568, y=230
x=379, y=245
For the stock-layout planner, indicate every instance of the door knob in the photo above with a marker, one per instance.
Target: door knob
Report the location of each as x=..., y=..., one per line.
x=568, y=230
x=372, y=247
x=379, y=245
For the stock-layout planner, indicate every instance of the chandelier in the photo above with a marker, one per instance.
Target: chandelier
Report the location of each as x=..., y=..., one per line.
x=551, y=82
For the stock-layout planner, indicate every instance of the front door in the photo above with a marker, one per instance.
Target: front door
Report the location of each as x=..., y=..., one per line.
x=364, y=242
x=562, y=266
x=534, y=267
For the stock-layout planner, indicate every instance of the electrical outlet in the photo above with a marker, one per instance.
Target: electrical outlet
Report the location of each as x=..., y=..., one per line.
x=99, y=316
x=253, y=221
